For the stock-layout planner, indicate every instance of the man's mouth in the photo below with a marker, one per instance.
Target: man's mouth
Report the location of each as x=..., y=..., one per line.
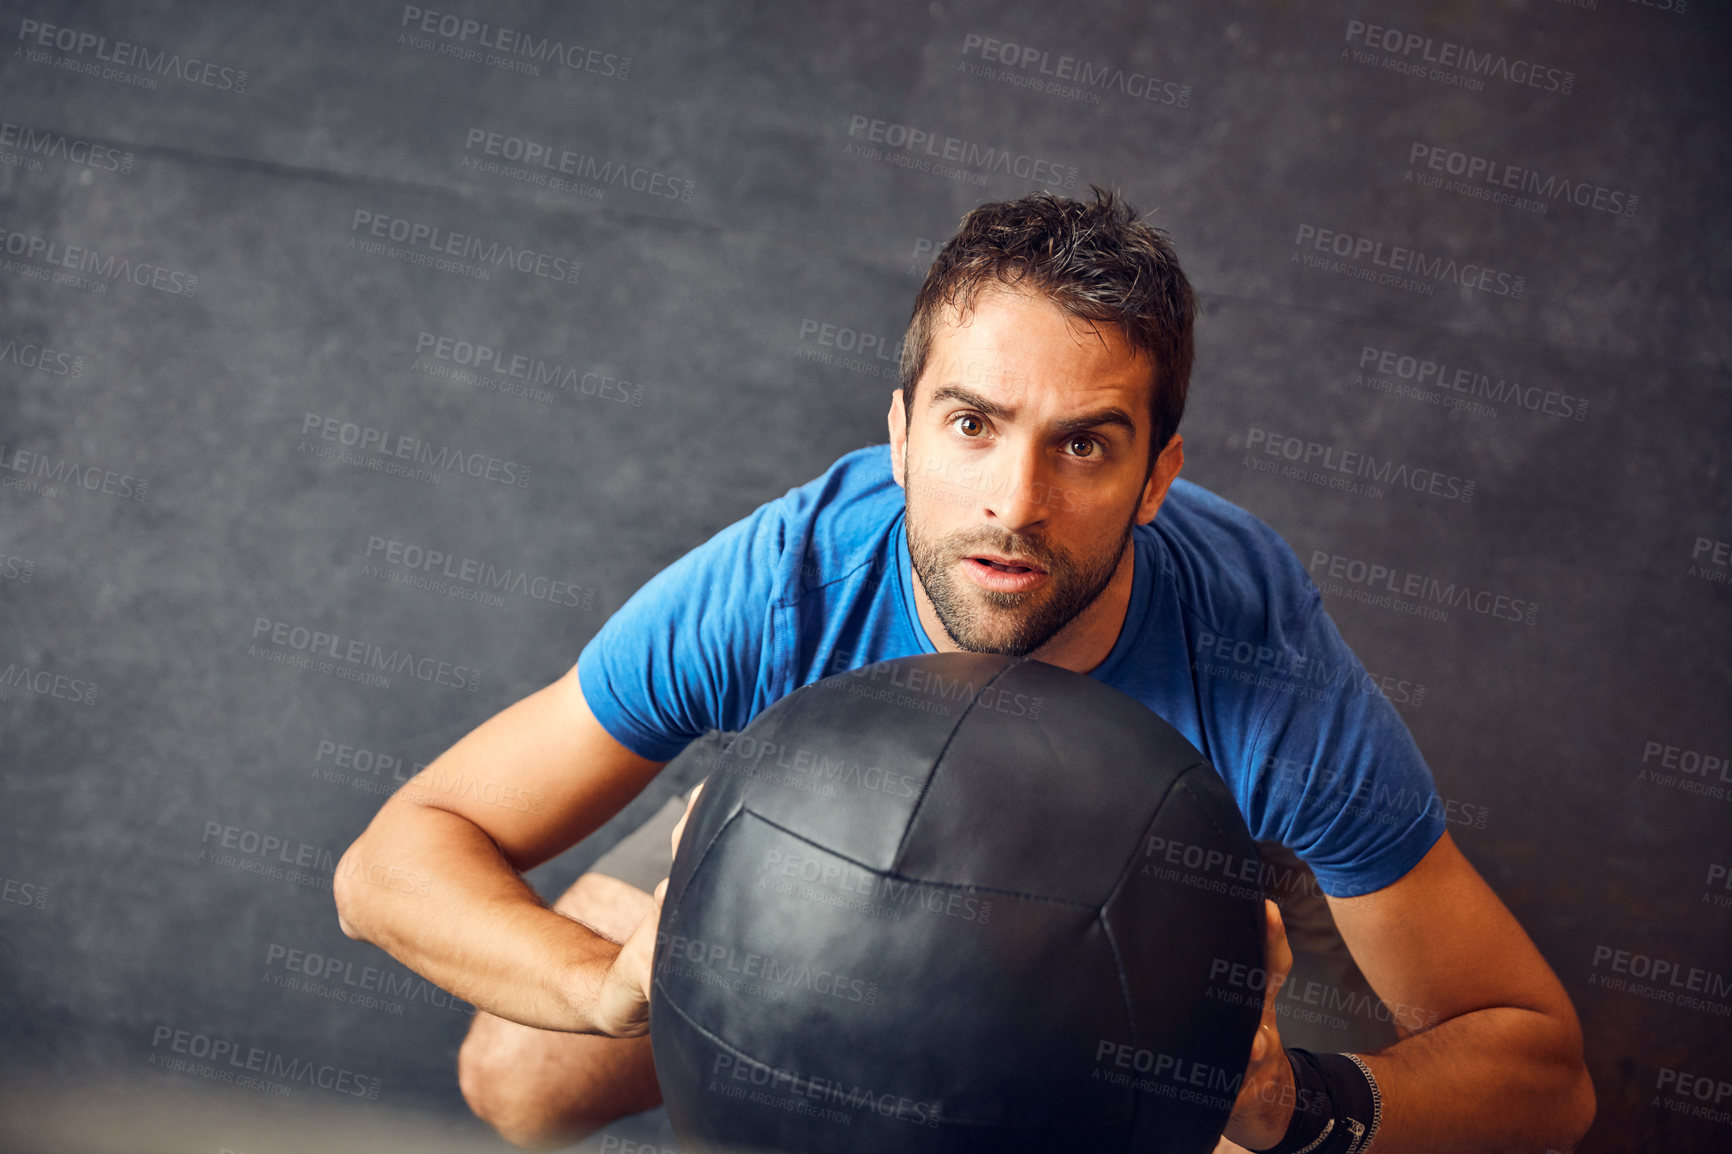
x=1003, y=574
x=1004, y=565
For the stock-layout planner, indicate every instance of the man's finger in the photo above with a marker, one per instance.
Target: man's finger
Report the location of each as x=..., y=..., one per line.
x=1277, y=954
x=680, y=826
x=1277, y=964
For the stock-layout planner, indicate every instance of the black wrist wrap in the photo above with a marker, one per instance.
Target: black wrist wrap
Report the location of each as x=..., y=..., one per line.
x=1336, y=1106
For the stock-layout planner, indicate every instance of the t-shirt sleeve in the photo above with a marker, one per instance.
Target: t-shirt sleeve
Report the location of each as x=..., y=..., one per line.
x=693, y=650
x=1337, y=777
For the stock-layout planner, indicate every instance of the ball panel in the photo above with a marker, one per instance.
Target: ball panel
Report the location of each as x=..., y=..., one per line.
x=939, y=996
x=1190, y=911
x=720, y=1104
x=846, y=760
x=1097, y=761
x=1041, y=800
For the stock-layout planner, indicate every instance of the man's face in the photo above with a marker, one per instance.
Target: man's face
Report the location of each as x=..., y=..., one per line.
x=1026, y=462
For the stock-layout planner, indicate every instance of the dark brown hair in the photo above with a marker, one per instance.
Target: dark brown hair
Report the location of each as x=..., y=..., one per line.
x=1097, y=262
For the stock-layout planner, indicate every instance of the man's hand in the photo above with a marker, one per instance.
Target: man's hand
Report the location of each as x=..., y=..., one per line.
x=622, y=1009
x=1265, y=1103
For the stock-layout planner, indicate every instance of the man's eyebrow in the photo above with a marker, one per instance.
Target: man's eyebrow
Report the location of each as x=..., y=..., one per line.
x=972, y=399
x=1111, y=415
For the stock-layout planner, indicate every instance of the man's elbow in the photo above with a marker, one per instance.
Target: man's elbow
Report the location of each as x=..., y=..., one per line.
x=1569, y=1089
x=1576, y=1109
x=349, y=898
x=1580, y=1103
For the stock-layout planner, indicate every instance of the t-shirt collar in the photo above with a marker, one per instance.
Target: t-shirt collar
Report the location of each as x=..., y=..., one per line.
x=905, y=579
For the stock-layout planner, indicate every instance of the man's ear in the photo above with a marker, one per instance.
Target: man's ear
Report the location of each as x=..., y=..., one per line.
x=1161, y=477
x=898, y=425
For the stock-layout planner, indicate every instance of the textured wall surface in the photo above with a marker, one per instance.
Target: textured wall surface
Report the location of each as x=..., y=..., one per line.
x=1484, y=245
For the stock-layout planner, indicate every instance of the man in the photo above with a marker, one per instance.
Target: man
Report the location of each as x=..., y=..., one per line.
x=1032, y=445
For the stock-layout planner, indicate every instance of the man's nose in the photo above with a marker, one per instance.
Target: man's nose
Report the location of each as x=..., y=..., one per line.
x=1018, y=481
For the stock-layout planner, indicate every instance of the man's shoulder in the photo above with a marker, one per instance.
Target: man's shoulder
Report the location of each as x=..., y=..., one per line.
x=1191, y=511
x=1227, y=565
x=839, y=520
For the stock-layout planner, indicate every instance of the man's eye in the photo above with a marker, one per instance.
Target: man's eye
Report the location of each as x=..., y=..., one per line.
x=970, y=426
x=1083, y=446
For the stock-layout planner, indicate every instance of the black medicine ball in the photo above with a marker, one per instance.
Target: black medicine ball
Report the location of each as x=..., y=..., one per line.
x=957, y=902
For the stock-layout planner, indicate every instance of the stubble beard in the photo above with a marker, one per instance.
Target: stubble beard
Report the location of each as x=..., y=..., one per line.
x=1013, y=624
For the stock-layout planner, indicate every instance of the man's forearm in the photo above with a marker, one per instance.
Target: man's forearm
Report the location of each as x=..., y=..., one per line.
x=430, y=888
x=1498, y=1079
x=1502, y=1069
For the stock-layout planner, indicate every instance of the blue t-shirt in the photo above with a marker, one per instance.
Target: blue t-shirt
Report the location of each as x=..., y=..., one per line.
x=1225, y=637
